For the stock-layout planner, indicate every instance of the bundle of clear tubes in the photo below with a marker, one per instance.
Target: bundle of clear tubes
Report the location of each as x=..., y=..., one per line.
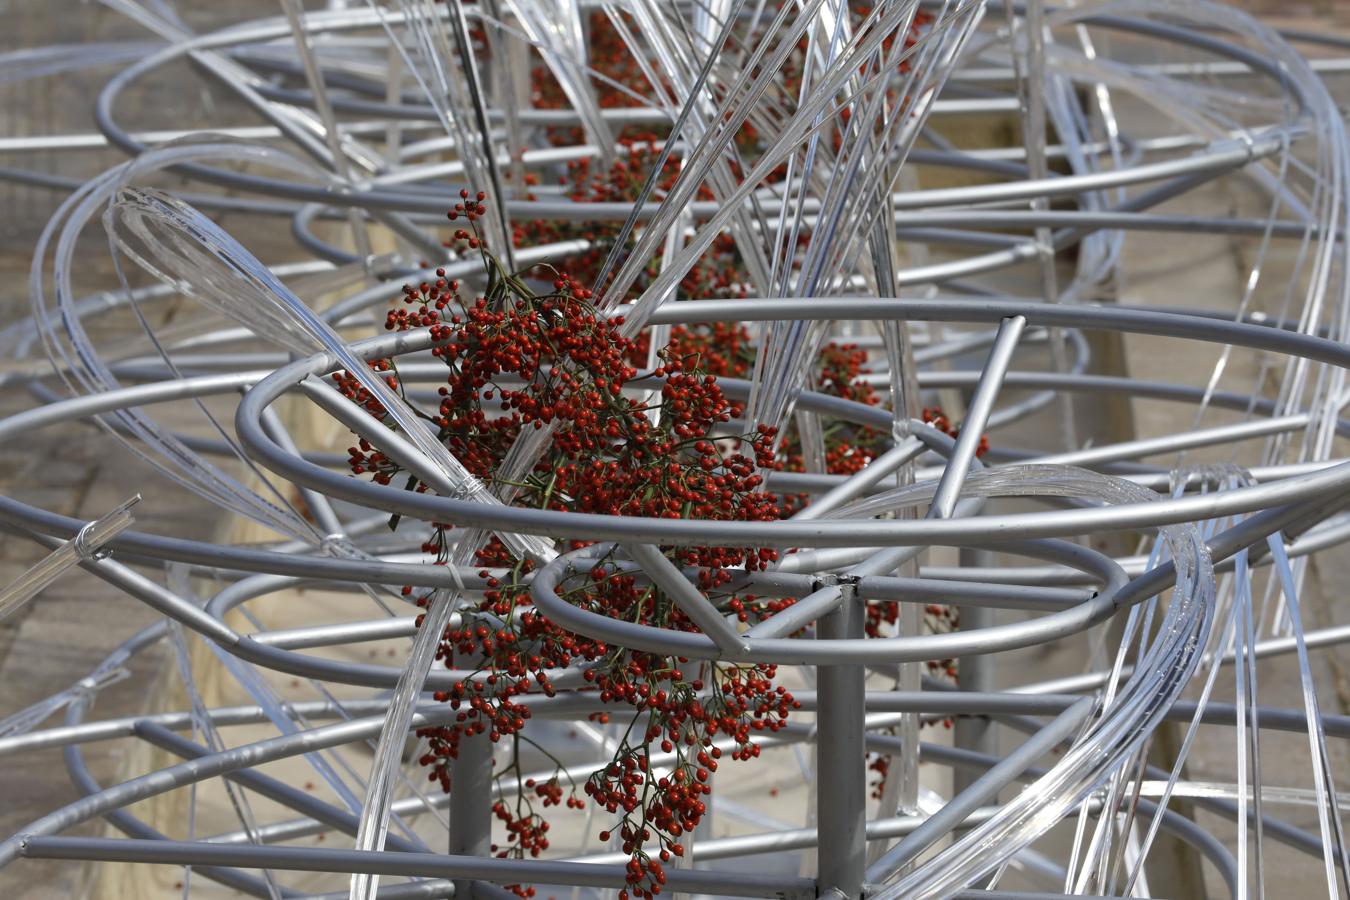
x=711, y=448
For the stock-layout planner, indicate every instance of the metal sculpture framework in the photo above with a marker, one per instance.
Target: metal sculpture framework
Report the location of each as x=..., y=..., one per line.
x=373, y=118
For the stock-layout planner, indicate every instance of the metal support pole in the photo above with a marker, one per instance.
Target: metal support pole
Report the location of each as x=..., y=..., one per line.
x=975, y=673
x=471, y=804
x=841, y=779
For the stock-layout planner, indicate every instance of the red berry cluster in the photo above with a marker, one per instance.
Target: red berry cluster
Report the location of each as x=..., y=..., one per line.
x=684, y=721
x=532, y=353
x=528, y=354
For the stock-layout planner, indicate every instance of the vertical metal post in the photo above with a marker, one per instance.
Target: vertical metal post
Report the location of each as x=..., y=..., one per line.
x=841, y=780
x=471, y=804
x=974, y=673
